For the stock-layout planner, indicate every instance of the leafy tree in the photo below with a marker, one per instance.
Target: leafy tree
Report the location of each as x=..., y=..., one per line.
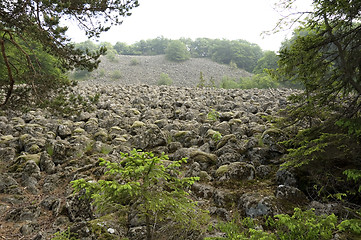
x=241, y=52
x=88, y=44
x=200, y=48
x=120, y=47
x=159, y=45
x=177, y=51
x=111, y=53
x=148, y=185
x=221, y=51
x=268, y=61
x=325, y=57
x=25, y=23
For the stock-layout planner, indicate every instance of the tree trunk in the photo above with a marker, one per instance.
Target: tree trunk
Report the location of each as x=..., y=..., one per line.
x=149, y=229
x=10, y=74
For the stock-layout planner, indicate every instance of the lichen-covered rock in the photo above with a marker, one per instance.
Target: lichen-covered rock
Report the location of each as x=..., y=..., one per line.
x=9, y=141
x=20, y=162
x=237, y=171
x=255, y=204
x=61, y=150
x=7, y=184
x=220, y=213
x=63, y=131
x=202, y=191
x=150, y=137
x=101, y=135
x=291, y=193
x=263, y=171
x=78, y=208
x=182, y=153
x=46, y=164
x=51, y=182
x=223, y=198
x=30, y=177
x=32, y=169
x=29, y=228
x=186, y=138
x=23, y=214
x=44, y=152
x=228, y=158
x=223, y=127
x=91, y=126
x=285, y=177
x=272, y=137
x=204, y=159
x=7, y=154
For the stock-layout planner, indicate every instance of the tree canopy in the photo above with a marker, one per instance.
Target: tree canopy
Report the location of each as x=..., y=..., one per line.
x=28, y=28
x=325, y=56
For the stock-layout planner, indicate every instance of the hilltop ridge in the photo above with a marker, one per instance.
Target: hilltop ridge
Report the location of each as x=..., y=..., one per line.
x=147, y=70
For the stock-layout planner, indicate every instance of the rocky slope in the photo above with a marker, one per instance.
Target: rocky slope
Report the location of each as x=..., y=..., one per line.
x=147, y=70
x=41, y=153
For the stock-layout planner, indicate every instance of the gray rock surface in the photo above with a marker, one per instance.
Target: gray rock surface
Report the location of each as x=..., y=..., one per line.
x=41, y=153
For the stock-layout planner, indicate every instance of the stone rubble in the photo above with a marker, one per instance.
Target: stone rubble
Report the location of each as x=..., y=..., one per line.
x=40, y=153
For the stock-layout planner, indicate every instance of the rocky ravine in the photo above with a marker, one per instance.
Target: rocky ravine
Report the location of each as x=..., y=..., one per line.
x=41, y=153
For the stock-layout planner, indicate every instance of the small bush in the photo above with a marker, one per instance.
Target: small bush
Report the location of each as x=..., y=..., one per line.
x=66, y=235
x=164, y=80
x=228, y=83
x=116, y=75
x=134, y=62
x=112, y=55
x=148, y=185
x=263, y=80
x=101, y=72
x=217, y=136
x=302, y=225
x=233, y=65
x=213, y=115
x=202, y=82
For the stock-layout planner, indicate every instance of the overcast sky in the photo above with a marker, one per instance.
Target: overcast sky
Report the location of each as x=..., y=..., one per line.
x=228, y=19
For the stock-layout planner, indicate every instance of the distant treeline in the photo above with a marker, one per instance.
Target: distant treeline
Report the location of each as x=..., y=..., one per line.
x=238, y=53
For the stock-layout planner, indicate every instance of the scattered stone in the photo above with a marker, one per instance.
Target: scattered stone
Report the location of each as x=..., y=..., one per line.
x=44, y=152
x=291, y=193
x=237, y=171
x=285, y=177
x=7, y=183
x=255, y=205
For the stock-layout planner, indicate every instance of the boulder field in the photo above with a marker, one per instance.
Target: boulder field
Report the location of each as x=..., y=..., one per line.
x=226, y=135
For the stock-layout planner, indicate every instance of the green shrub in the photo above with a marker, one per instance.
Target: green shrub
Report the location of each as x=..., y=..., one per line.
x=202, y=82
x=116, y=75
x=101, y=72
x=148, y=185
x=302, y=225
x=213, y=115
x=164, y=80
x=112, y=55
x=263, y=80
x=233, y=65
x=228, y=83
x=216, y=136
x=65, y=235
x=134, y=62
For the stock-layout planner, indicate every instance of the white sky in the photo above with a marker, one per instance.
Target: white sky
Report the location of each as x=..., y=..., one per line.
x=228, y=19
